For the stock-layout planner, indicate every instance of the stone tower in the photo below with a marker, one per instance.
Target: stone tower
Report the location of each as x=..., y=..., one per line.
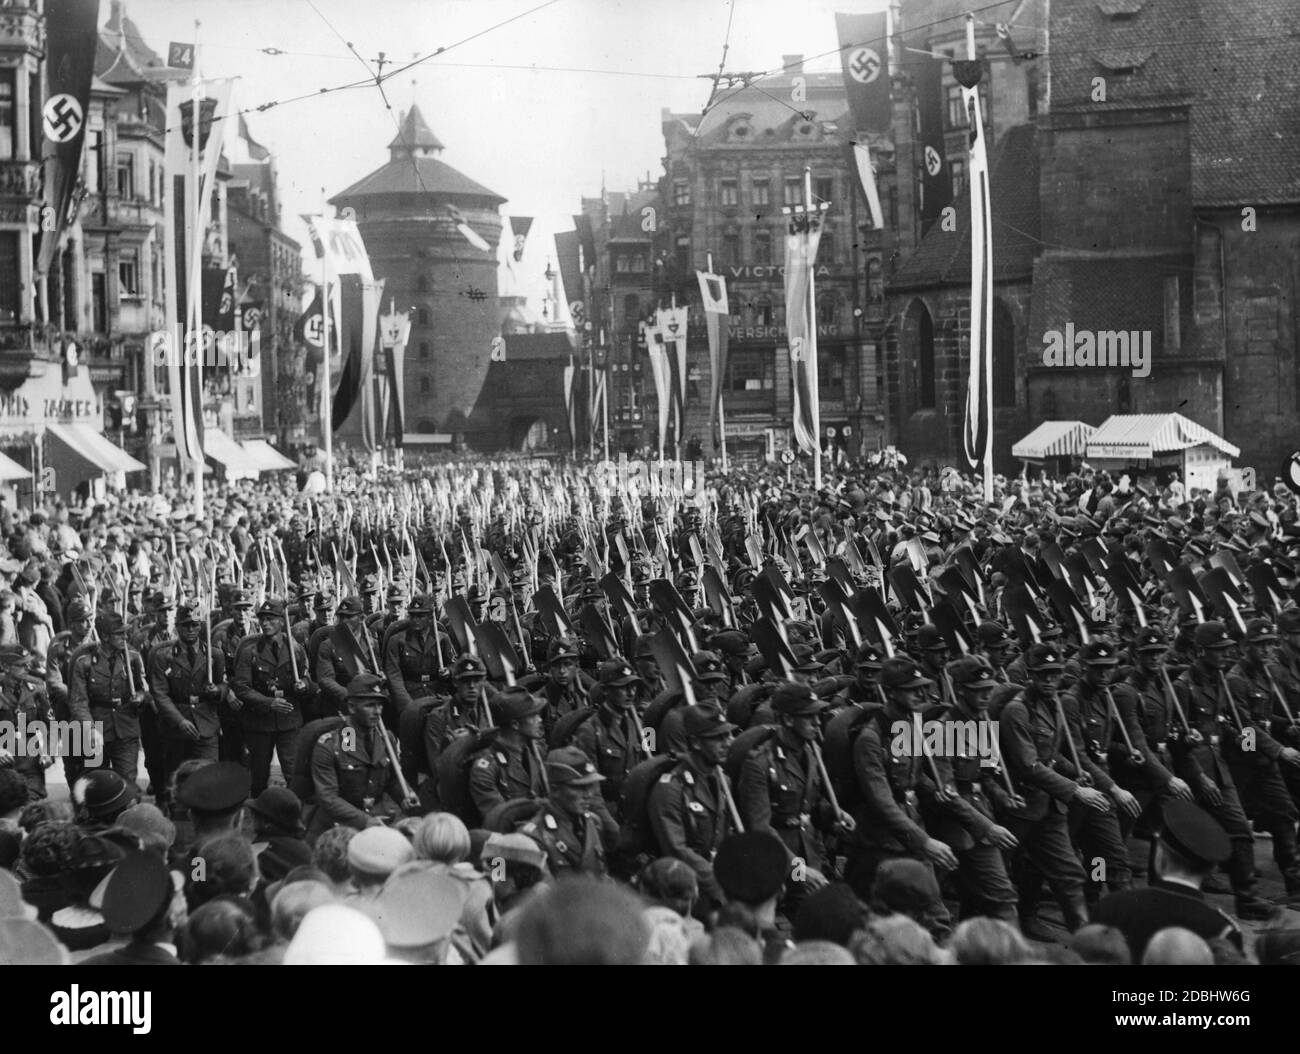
x=409, y=212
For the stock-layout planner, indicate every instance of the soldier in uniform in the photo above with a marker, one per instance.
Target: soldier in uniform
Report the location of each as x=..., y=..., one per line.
x=413, y=660
x=23, y=697
x=342, y=655
x=688, y=809
x=227, y=635
x=58, y=671
x=1285, y=670
x=380, y=621
x=996, y=644
x=565, y=687
x=187, y=695
x=512, y=767
x=612, y=737
x=1257, y=772
x=1207, y=763
x=107, y=685
x=1089, y=716
x=322, y=612
x=565, y=826
x=271, y=683
x=461, y=713
x=145, y=632
x=355, y=780
x=1031, y=736
x=868, y=661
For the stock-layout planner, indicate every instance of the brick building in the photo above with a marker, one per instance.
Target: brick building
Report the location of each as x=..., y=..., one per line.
x=404, y=213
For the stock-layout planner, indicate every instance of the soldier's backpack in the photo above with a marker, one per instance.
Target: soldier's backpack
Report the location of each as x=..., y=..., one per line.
x=567, y=727
x=743, y=746
x=510, y=815
x=635, y=836
x=453, y=774
x=410, y=737
x=745, y=700
x=301, y=783
x=841, y=732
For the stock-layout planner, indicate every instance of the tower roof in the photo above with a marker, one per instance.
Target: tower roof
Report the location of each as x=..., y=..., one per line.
x=415, y=133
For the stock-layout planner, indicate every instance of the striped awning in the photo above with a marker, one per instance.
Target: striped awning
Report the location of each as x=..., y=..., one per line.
x=1053, y=439
x=265, y=456
x=11, y=470
x=1143, y=436
x=92, y=447
x=229, y=454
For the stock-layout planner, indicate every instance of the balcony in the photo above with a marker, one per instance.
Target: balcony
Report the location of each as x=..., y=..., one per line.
x=21, y=26
x=20, y=179
x=130, y=212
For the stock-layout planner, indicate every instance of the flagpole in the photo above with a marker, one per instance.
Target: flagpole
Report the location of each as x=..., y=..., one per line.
x=195, y=287
x=722, y=420
x=814, y=394
x=326, y=424
x=985, y=293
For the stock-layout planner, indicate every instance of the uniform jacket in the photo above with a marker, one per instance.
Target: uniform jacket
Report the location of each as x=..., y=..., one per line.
x=443, y=723
x=502, y=772
x=609, y=738
x=1032, y=741
x=1088, y=715
x=967, y=818
x=780, y=790
x=571, y=843
x=411, y=665
x=351, y=777
x=689, y=817
x=1199, y=693
x=58, y=670
x=1144, y=709
x=262, y=666
x=338, y=661
x=887, y=808
x=101, y=691
x=177, y=680
x=1254, y=696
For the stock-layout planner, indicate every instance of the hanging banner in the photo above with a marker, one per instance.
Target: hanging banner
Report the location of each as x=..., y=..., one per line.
x=936, y=180
x=867, y=182
x=713, y=294
x=864, y=51
x=800, y=251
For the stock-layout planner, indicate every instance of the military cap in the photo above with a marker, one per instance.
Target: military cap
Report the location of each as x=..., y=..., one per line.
x=1043, y=657
x=138, y=891
x=705, y=722
x=1288, y=621
x=992, y=633
x=349, y=607
x=109, y=623
x=395, y=592
x=421, y=604
x=281, y=807
x=468, y=668
x=806, y=660
x=1150, y=639
x=185, y=616
x=751, y=867
x=1260, y=631
x=148, y=821
x=1212, y=635
x=796, y=700
x=559, y=650
x=513, y=849
x=368, y=686
x=708, y=667
x=902, y=673
x=617, y=674
x=1098, y=653
x=972, y=671
x=102, y=792
x=869, y=656
x=928, y=638
x=1194, y=834
x=242, y=599
x=570, y=767
x=159, y=601
x=77, y=610
x=272, y=607
x=219, y=787
x=322, y=601
x=418, y=907
x=644, y=647
x=730, y=642
x=515, y=704
x=369, y=587
x=379, y=850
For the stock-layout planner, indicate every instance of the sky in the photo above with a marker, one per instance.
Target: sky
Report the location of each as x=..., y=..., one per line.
x=541, y=109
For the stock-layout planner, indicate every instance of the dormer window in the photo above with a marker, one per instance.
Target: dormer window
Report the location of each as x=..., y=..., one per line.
x=740, y=128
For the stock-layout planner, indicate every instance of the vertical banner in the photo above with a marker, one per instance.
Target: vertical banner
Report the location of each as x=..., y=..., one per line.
x=519, y=228
x=570, y=377
x=339, y=246
x=184, y=246
x=659, y=371
x=72, y=34
x=936, y=180
x=360, y=320
x=671, y=327
x=867, y=182
x=864, y=50
x=977, y=435
x=713, y=294
x=396, y=329
x=801, y=243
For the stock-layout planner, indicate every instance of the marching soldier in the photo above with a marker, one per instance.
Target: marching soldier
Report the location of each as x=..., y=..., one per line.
x=356, y=781
x=612, y=737
x=107, y=685
x=512, y=767
x=187, y=694
x=1032, y=736
x=868, y=661
x=565, y=687
x=227, y=636
x=23, y=698
x=997, y=646
x=322, y=613
x=1205, y=765
x=414, y=660
x=271, y=684
x=688, y=807
x=380, y=621
x=342, y=655
x=1285, y=669
x=461, y=713
x=58, y=673
x=565, y=826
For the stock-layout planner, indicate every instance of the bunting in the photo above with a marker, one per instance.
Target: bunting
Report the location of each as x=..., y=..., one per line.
x=659, y=371
x=713, y=295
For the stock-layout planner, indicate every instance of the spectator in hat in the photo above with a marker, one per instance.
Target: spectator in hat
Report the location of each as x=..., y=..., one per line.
x=418, y=912
x=833, y=913
x=336, y=935
x=214, y=796
x=373, y=855
x=141, y=903
x=147, y=822
x=585, y=922
x=278, y=831
x=100, y=797
x=44, y=856
x=79, y=926
x=752, y=869
x=442, y=839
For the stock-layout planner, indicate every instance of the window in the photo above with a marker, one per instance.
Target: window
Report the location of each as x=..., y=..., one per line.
x=826, y=310
x=681, y=192
x=8, y=118
x=631, y=306
x=830, y=373
x=422, y=317
x=683, y=254
x=793, y=190
x=750, y=372
x=10, y=286
x=126, y=175
x=958, y=168
x=638, y=263
x=957, y=105
x=1004, y=356
x=925, y=361
x=762, y=311
x=94, y=162
x=824, y=188
x=424, y=386
x=424, y=349
x=762, y=247
x=422, y=283
x=762, y=192
x=1173, y=313
x=128, y=275
x=728, y=193
x=621, y=264
x=98, y=302
x=731, y=249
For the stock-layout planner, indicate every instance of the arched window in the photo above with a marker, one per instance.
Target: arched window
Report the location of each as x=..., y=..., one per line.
x=925, y=361
x=762, y=247
x=1004, y=356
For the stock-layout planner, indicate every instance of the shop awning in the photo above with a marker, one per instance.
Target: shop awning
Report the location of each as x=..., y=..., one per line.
x=229, y=455
x=90, y=446
x=265, y=456
x=1054, y=439
x=1143, y=436
x=11, y=470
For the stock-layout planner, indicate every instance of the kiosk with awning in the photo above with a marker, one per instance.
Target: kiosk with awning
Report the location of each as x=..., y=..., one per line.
x=1158, y=443
x=233, y=460
x=266, y=457
x=1053, y=444
x=80, y=455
